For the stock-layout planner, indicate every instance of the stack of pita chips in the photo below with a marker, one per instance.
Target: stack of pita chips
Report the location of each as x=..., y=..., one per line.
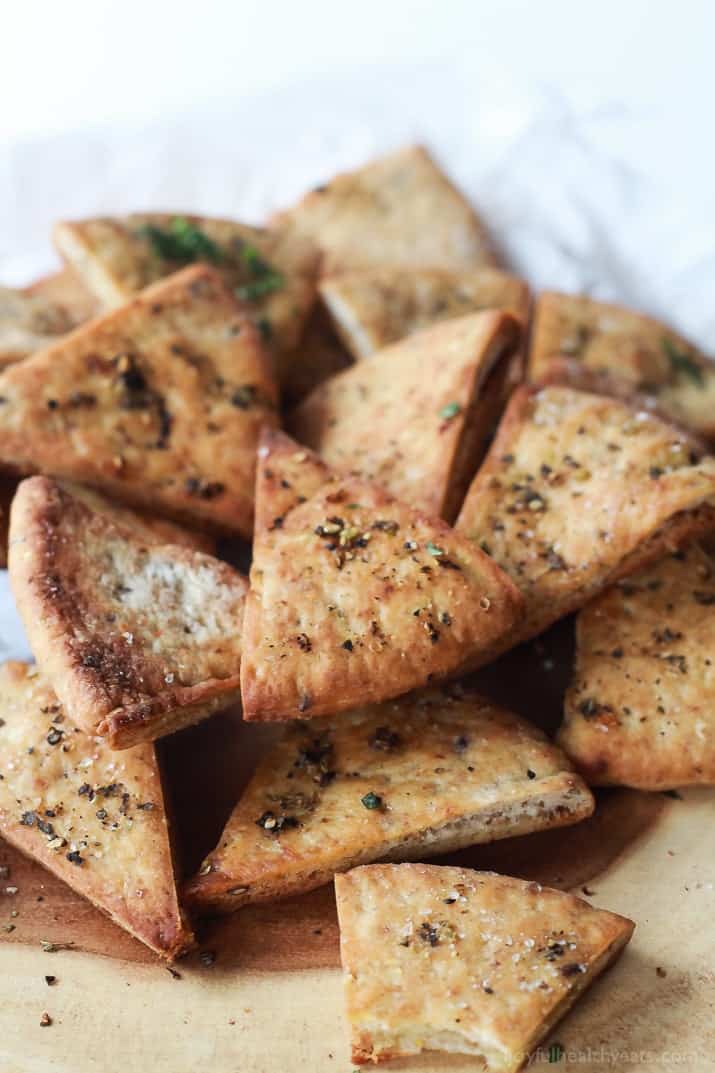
x=425, y=514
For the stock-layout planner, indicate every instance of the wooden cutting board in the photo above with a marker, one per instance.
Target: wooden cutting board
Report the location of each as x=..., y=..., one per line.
x=266, y=994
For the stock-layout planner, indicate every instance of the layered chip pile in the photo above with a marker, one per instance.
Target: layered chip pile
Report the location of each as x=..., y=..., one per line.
x=353, y=404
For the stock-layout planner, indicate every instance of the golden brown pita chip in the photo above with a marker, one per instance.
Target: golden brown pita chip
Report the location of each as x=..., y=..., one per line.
x=64, y=288
x=288, y=474
x=641, y=709
x=578, y=490
x=398, y=210
x=468, y=962
x=416, y=419
x=319, y=354
x=95, y=818
x=356, y=598
x=614, y=350
x=379, y=306
x=421, y=775
x=158, y=404
x=28, y=323
x=137, y=639
x=272, y=275
x=147, y=526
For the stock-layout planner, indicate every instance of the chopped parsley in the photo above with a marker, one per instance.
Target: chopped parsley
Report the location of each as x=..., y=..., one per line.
x=182, y=242
x=450, y=410
x=371, y=800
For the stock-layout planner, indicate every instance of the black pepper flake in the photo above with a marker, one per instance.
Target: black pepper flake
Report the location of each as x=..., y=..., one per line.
x=574, y=968
x=530, y=774
x=385, y=526
x=245, y=396
x=304, y=642
x=460, y=743
x=207, y=957
x=50, y=980
x=54, y=737
x=384, y=739
x=102, y=814
x=147, y=806
x=197, y=486
x=75, y=858
x=347, y=645
x=590, y=708
x=46, y=828
x=28, y=819
x=371, y=801
x=706, y=599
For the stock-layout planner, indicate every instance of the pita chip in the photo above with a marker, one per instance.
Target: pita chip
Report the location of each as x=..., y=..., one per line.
x=416, y=419
x=30, y=322
x=450, y=959
x=400, y=210
x=65, y=288
x=613, y=350
x=138, y=639
x=288, y=474
x=579, y=490
x=641, y=708
x=271, y=275
x=158, y=404
x=378, y=306
x=355, y=598
x=94, y=818
x=421, y=775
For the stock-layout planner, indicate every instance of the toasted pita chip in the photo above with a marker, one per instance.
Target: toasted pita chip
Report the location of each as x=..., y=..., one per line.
x=421, y=775
x=158, y=404
x=374, y=308
x=398, y=210
x=65, y=289
x=416, y=419
x=272, y=275
x=29, y=323
x=616, y=351
x=288, y=474
x=137, y=639
x=468, y=962
x=578, y=490
x=356, y=598
x=95, y=819
x=641, y=708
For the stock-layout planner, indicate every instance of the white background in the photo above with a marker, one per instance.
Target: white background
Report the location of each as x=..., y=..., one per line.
x=584, y=131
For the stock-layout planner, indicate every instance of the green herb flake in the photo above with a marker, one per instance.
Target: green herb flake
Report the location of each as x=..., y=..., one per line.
x=450, y=410
x=183, y=242
x=371, y=801
x=432, y=549
x=259, y=288
x=681, y=363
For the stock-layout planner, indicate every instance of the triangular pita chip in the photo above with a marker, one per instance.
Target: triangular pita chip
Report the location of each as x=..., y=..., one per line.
x=147, y=526
x=416, y=418
x=376, y=307
x=287, y=475
x=319, y=354
x=158, y=404
x=137, y=639
x=450, y=959
x=424, y=774
x=398, y=210
x=641, y=709
x=272, y=275
x=578, y=490
x=95, y=818
x=356, y=598
x=65, y=289
x=28, y=323
x=614, y=350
